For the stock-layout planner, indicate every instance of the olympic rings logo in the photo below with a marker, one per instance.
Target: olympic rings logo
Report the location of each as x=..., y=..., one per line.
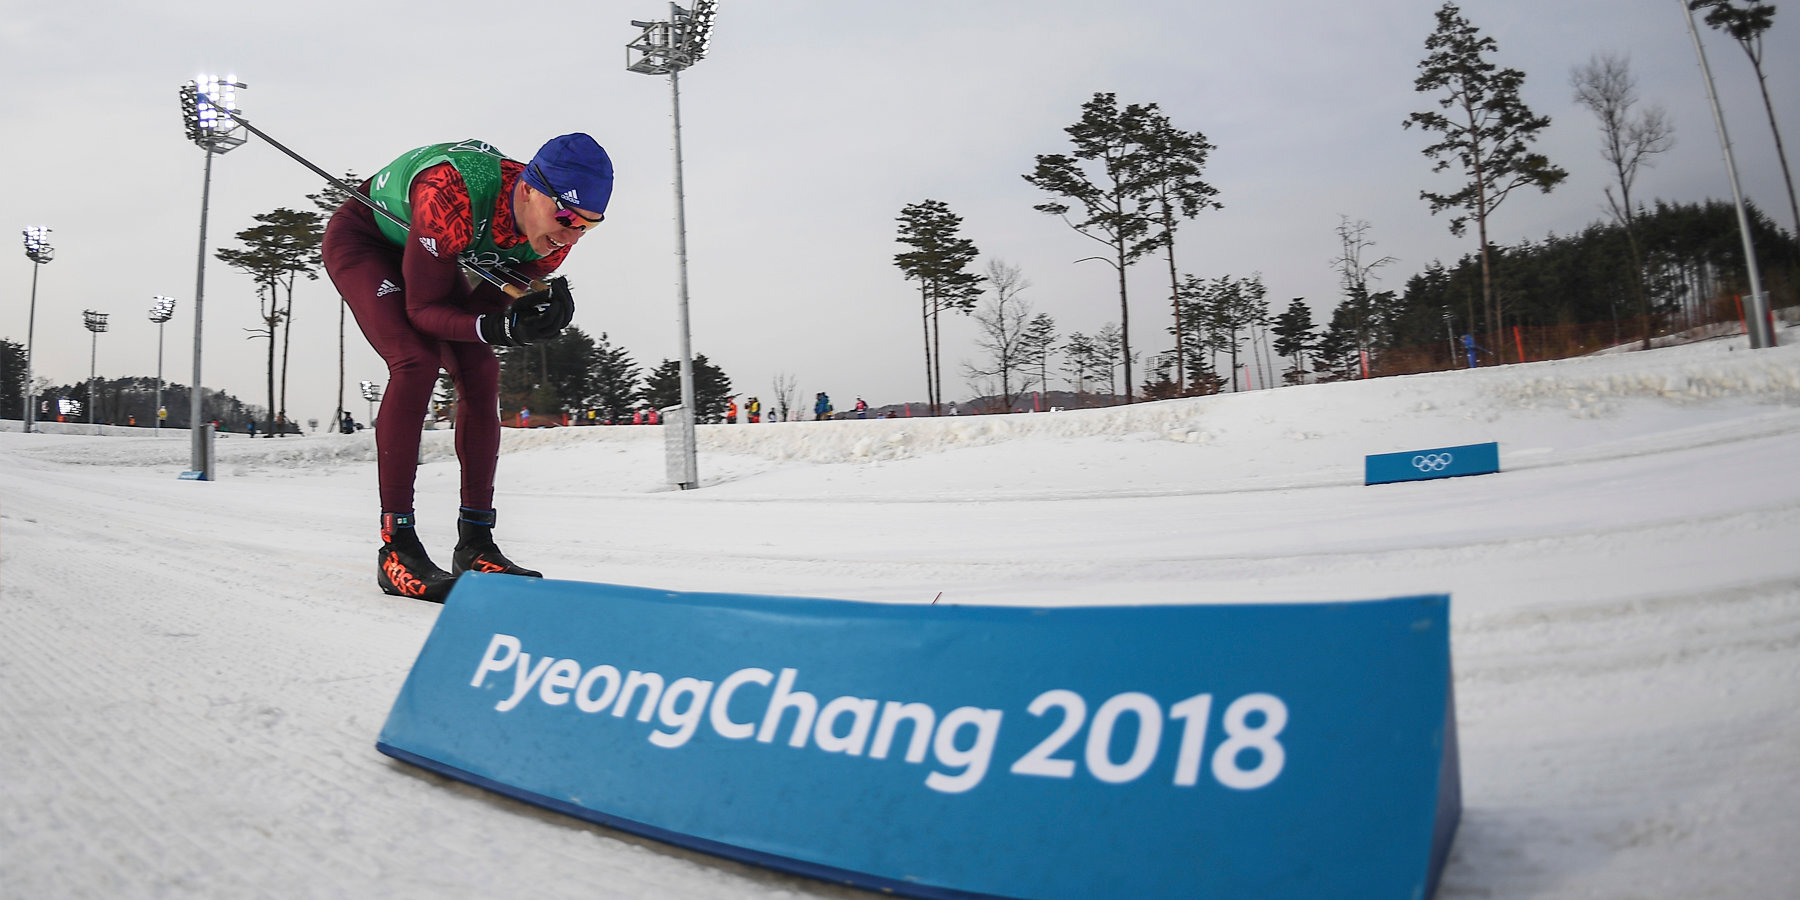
x=1433, y=462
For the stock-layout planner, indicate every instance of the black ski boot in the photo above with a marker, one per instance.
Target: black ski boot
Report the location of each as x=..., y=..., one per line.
x=475, y=550
x=404, y=570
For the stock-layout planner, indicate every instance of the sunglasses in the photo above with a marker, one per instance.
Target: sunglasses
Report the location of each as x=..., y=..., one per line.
x=566, y=215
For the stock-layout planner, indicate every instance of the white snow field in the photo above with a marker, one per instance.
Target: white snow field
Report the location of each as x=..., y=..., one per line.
x=193, y=675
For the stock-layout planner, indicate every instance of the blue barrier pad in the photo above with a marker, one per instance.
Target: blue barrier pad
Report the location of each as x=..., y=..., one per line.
x=941, y=751
x=1442, y=462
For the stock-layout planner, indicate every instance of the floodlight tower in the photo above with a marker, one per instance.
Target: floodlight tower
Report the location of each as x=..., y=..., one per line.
x=39, y=251
x=666, y=48
x=96, y=323
x=215, y=130
x=161, y=310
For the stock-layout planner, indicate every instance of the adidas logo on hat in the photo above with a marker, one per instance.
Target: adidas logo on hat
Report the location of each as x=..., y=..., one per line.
x=569, y=195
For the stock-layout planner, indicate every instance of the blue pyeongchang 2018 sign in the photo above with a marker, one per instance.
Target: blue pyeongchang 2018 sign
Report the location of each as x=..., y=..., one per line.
x=1443, y=462
x=1303, y=750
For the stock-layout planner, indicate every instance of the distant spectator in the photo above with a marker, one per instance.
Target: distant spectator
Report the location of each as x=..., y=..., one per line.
x=862, y=408
x=753, y=407
x=821, y=407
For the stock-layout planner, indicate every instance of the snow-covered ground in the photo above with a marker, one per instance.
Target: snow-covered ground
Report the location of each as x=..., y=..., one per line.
x=193, y=675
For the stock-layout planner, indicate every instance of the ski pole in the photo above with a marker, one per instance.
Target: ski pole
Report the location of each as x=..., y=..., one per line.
x=504, y=279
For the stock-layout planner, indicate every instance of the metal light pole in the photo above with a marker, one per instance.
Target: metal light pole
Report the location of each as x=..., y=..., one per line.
x=1757, y=328
x=666, y=48
x=96, y=323
x=160, y=312
x=39, y=251
x=214, y=130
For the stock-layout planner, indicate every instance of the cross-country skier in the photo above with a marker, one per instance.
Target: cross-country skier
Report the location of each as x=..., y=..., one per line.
x=417, y=309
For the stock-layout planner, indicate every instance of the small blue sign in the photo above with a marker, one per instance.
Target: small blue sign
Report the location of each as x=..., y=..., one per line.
x=1303, y=749
x=1443, y=462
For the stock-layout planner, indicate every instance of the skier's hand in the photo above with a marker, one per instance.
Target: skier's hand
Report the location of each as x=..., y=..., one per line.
x=561, y=308
x=527, y=320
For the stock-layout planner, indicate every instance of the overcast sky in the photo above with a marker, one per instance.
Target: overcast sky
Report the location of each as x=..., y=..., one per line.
x=805, y=132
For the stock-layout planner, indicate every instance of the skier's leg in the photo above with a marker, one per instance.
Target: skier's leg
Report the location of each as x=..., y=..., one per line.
x=366, y=273
x=477, y=376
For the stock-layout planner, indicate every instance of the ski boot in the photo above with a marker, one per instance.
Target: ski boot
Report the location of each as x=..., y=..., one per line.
x=403, y=568
x=475, y=550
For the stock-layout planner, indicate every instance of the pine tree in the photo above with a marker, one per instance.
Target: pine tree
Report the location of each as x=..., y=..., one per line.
x=712, y=388
x=278, y=251
x=1294, y=337
x=939, y=262
x=1227, y=309
x=1485, y=134
x=12, y=379
x=1110, y=194
x=618, y=383
x=1335, y=356
x=1172, y=161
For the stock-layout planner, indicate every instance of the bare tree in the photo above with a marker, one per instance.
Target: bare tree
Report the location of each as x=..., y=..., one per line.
x=1627, y=140
x=1354, y=275
x=784, y=392
x=1080, y=362
x=1004, y=323
x=1109, y=355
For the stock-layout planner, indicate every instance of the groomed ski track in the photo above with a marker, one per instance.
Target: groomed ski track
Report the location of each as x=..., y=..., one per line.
x=194, y=674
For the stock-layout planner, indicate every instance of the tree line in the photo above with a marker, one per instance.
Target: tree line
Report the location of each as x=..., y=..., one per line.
x=118, y=401
x=1132, y=177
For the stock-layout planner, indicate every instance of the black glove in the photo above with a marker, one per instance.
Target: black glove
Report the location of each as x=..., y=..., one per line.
x=560, y=310
x=519, y=324
x=533, y=317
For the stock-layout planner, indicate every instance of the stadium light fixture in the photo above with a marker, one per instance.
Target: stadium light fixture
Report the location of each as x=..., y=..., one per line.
x=39, y=251
x=667, y=48
x=208, y=111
